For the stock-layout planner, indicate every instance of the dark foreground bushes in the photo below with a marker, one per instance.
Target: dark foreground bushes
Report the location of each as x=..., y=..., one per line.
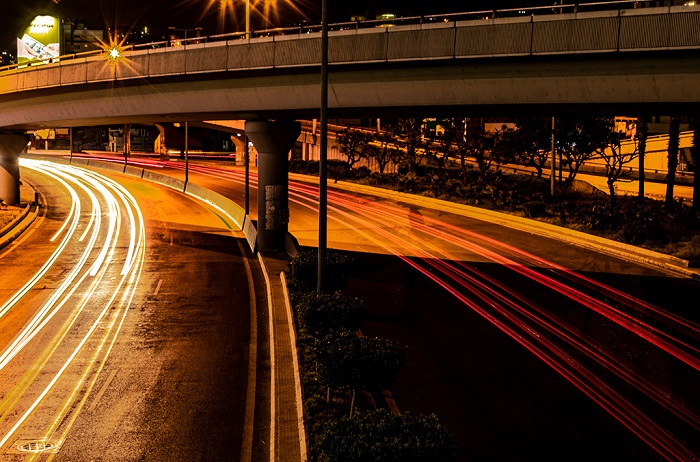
x=342, y=372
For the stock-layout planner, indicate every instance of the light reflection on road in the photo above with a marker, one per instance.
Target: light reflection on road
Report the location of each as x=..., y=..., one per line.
x=433, y=247
x=596, y=367
x=51, y=366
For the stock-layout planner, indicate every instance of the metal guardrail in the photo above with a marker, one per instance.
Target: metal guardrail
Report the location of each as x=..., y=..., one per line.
x=366, y=24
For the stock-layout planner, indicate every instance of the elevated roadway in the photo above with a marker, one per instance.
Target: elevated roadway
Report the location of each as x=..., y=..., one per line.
x=625, y=61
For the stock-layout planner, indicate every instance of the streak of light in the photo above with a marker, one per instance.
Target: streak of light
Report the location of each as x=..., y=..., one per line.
x=122, y=293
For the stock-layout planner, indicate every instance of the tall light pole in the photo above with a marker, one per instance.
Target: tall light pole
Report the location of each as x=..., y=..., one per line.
x=247, y=19
x=322, y=178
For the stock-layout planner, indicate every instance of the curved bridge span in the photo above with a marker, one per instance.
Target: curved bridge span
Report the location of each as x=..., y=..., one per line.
x=626, y=61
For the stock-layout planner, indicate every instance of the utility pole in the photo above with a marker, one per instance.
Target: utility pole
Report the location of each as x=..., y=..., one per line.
x=322, y=178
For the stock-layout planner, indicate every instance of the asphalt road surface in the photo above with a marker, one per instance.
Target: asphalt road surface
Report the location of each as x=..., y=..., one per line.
x=527, y=347
x=133, y=343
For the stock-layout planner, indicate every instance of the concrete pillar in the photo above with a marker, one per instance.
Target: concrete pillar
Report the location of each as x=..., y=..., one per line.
x=273, y=141
x=10, y=148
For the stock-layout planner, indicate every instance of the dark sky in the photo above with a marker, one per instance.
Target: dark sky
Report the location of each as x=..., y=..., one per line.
x=159, y=14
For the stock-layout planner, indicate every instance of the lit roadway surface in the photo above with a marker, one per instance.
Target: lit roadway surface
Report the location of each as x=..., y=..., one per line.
x=124, y=326
x=527, y=348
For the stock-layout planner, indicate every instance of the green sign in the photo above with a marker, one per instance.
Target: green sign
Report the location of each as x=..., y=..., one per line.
x=41, y=41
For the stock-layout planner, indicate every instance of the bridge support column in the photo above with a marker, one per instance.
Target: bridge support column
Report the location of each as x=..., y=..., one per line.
x=272, y=140
x=10, y=148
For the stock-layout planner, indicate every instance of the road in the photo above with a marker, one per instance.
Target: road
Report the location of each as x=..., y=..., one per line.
x=132, y=341
x=526, y=346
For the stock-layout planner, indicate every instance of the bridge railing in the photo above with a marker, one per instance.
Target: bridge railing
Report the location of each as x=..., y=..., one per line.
x=372, y=23
x=577, y=32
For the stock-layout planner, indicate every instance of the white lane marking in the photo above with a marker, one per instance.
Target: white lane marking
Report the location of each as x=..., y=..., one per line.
x=102, y=390
x=160, y=283
x=273, y=370
x=247, y=446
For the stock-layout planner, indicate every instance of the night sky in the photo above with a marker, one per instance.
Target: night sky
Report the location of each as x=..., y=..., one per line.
x=159, y=14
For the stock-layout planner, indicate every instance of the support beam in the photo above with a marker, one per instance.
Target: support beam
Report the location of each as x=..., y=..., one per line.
x=11, y=146
x=273, y=141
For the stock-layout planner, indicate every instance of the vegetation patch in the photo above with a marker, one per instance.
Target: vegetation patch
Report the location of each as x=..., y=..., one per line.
x=8, y=214
x=343, y=374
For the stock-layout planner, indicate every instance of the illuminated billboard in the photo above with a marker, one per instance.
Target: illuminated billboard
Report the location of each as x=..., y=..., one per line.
x=40, y=41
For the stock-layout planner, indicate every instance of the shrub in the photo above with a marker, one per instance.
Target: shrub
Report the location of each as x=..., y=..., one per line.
x=303, y=270
x=534, y=209
x=323, y=314
x=358, y=363
x=382, y=436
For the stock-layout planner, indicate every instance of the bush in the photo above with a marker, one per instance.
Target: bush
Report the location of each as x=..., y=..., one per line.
x=382, y=436
x=534, y=209
x=303, y=270
x=323, y=314
x=358, y=363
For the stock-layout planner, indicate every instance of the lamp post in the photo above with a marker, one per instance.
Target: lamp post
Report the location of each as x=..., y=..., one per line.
x=185, y=31
x=322, y=174
x=247, y=19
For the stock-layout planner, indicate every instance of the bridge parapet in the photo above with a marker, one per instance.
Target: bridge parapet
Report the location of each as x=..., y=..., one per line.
x=647, y=29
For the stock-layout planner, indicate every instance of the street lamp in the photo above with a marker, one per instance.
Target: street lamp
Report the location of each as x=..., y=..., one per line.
x=247, y=19
x=323, y=158
x=185, y=31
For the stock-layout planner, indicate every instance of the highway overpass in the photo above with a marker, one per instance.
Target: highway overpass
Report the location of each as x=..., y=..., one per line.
x=627, y=61
x=620, y=61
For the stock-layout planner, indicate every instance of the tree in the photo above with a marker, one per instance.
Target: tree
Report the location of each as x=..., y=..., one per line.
x=438, y=151
x=580, y=139
x=533, y=137
x=384, y=150
x=695, y=155
x=616, y=157
x=641, y=135
x=382, y=436
x=408, y=131
x=353, y=144
x=471, y=141
x=673, y=141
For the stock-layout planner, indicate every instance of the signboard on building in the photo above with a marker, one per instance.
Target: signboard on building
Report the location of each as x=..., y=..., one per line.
x=40, y=41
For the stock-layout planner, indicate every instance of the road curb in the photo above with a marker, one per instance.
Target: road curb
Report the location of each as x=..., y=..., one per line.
x=581, y=239
x=19, y=225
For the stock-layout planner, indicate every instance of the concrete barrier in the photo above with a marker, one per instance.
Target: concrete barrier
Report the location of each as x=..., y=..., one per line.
x=421, y=42
x=207, y=58
x=252, y=54
x=73, y=71
x=297, y=50
x=575, y=33
x=80, y=161
x=502, y=37
x=224, y=204
x=134, y=171
x=8, y=82
x=164, y=180
x=365, y=45
x=164, y=61
x=136, y=65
